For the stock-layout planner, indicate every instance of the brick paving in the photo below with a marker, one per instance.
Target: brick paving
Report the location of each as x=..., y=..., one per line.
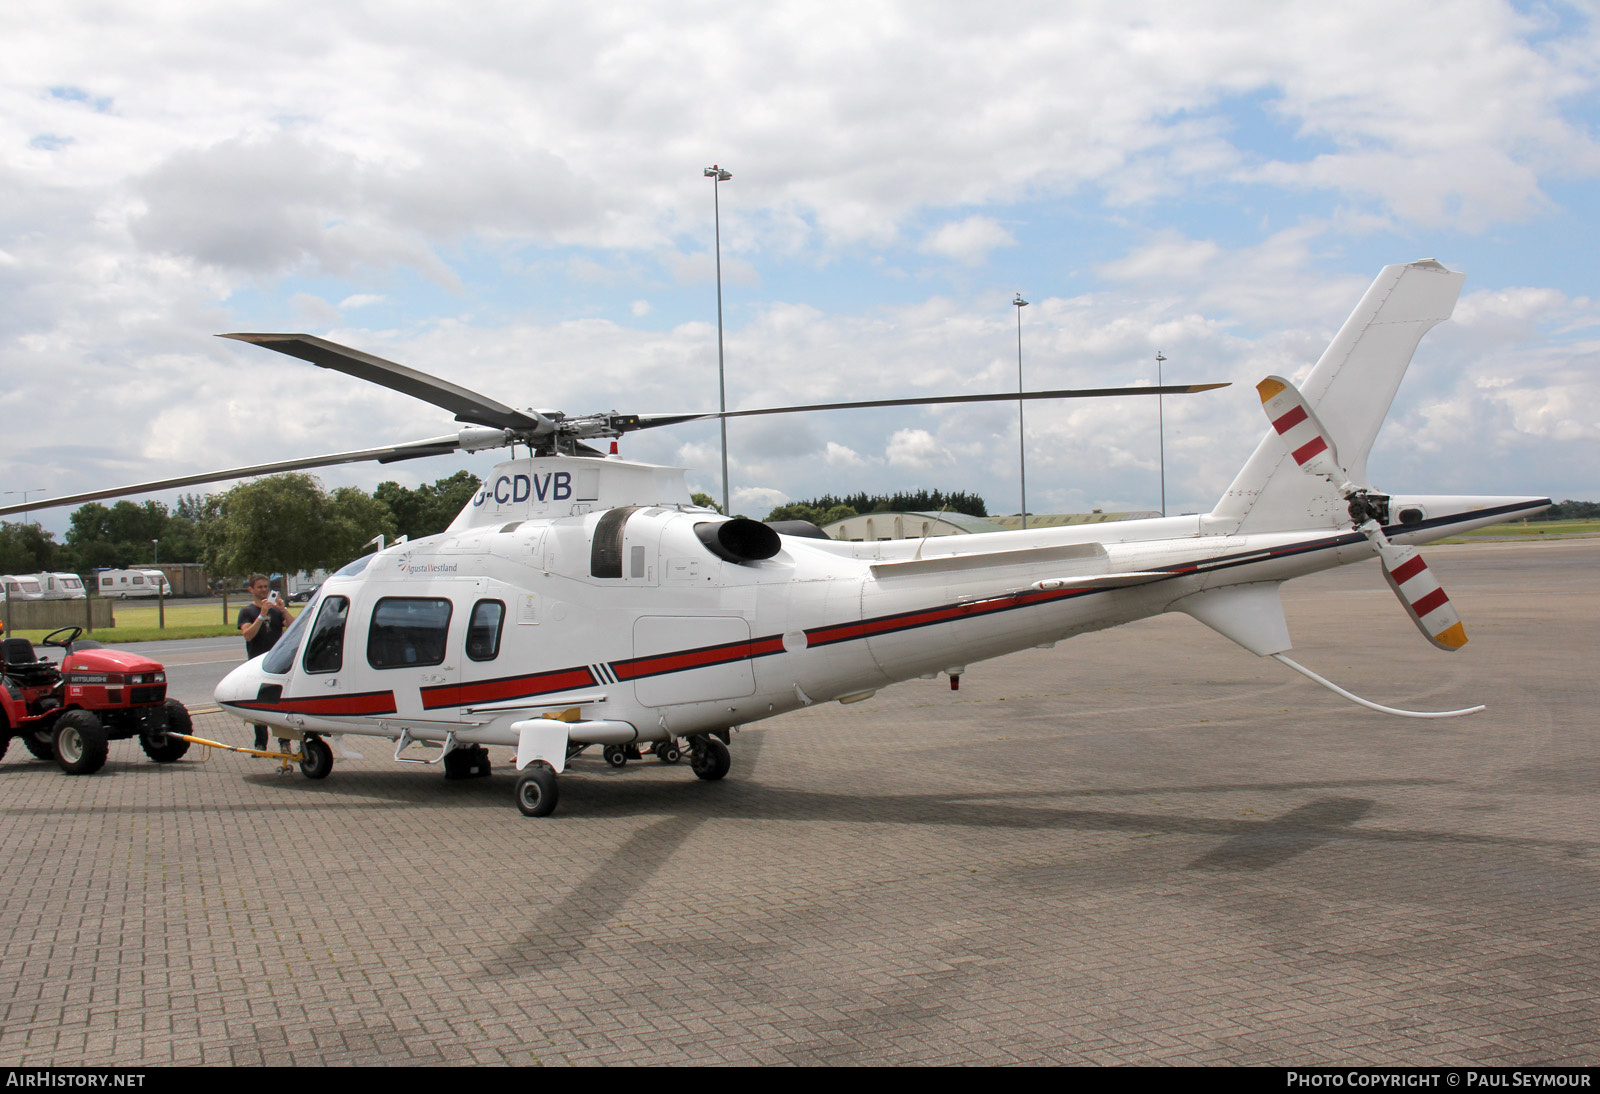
x=1144, y=846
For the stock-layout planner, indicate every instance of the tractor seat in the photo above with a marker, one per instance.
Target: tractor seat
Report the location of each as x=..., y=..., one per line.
x=23, y=666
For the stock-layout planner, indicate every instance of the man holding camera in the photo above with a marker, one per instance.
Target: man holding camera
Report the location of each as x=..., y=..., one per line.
x=262, y=622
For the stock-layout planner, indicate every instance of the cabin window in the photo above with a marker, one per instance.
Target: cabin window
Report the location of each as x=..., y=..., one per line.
x=138, y=581
x=483, y=634
x=325, y=647
x=408, y=632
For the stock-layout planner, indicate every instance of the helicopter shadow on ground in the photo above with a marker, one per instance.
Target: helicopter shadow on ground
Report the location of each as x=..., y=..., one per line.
x=558, y=932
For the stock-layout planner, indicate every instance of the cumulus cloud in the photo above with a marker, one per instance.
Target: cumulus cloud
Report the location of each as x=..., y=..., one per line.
x=916, y=449
x=969, y=240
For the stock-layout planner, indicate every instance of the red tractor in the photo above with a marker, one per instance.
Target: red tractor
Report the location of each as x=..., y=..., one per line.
x=95, y=697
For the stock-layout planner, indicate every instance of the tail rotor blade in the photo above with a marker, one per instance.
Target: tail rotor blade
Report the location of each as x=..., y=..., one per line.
x=1423, y=598
x=1295, y=421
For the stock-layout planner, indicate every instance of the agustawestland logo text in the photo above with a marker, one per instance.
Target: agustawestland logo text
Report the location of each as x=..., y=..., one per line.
x=409, y=567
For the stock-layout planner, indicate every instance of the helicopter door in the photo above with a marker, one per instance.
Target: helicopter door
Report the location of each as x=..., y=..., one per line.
x=409, y=650
x=686, y=659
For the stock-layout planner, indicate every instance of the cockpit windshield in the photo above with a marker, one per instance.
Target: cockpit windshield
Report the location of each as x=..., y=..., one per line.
x=281, y=656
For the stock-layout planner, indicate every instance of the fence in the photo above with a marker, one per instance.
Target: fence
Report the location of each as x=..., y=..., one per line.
x=47, y=615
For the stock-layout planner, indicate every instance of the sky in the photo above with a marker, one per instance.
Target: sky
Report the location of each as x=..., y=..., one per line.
x=512, y=196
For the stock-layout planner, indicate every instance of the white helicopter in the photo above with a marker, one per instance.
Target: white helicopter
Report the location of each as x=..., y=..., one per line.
x=582, y=600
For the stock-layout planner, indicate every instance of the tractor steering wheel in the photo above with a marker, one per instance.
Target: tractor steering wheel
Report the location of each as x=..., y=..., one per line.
x=71, y=633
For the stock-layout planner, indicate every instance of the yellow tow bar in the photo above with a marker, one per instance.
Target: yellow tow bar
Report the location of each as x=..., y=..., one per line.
x=288, y=758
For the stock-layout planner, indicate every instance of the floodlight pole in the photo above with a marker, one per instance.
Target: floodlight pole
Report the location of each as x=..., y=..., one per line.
x=1022, y=447
x=25, y=493
x=1161, y=434
x=718, y=176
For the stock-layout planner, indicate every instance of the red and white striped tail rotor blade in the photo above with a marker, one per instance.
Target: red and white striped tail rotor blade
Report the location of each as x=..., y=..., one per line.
x=1424, y=598
x=1297, y=424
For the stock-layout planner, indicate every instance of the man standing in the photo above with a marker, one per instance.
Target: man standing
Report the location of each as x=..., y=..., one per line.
x=262, y=622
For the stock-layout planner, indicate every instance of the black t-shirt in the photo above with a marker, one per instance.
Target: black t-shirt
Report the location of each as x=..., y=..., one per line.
x=268, y=635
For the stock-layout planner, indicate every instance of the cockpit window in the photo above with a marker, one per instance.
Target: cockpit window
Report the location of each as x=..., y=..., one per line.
x=325, y=647
x=408, y=632
x=282, y=655
x=483, y=634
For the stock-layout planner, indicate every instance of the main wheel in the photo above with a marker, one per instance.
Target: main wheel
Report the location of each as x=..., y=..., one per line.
x=81, y=743
x=38, y=742
x=536, y=791
x=158, y=744
x=615, y=755
x=668, y=752
x=318, y=759
x=711, y=760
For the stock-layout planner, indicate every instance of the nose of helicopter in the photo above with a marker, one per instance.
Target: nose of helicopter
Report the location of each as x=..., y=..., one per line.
x=240, y=685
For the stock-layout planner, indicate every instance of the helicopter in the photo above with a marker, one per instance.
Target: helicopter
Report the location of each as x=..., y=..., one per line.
x=581, y=599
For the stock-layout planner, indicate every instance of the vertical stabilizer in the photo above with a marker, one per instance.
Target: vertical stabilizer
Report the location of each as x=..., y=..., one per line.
x=1350, y=391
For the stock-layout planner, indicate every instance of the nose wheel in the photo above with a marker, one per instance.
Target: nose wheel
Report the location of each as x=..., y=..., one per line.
x=318, y=758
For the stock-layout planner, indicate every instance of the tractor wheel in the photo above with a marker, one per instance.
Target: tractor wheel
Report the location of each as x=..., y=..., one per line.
x=81, y=743
x=38, y=742
x=157, y=743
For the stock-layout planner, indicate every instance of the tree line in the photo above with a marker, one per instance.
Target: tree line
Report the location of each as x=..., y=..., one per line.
x=280, y=524
x=830, y=507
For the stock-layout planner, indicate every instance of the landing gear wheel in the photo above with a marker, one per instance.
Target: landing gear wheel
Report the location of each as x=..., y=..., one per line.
x=158, y=744
x=318, y=758
x=711, y=760
x=615, y=755
x=80, y=743
x=668, y=752
x=39, y=743
x=536, y=791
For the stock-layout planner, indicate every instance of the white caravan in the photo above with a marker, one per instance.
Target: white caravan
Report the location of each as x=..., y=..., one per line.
x=121, y=584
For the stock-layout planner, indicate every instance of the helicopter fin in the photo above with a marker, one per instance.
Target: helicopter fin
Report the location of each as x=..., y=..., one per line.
x=1350, y=391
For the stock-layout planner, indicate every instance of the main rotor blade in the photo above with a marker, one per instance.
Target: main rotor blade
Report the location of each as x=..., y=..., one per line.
x=412, y=450
x=648, y=421
x=466, y=405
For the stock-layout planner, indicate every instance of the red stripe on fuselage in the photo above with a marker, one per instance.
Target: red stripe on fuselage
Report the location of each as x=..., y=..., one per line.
x=507, y=687
x=658, y=664
x=371, y=702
